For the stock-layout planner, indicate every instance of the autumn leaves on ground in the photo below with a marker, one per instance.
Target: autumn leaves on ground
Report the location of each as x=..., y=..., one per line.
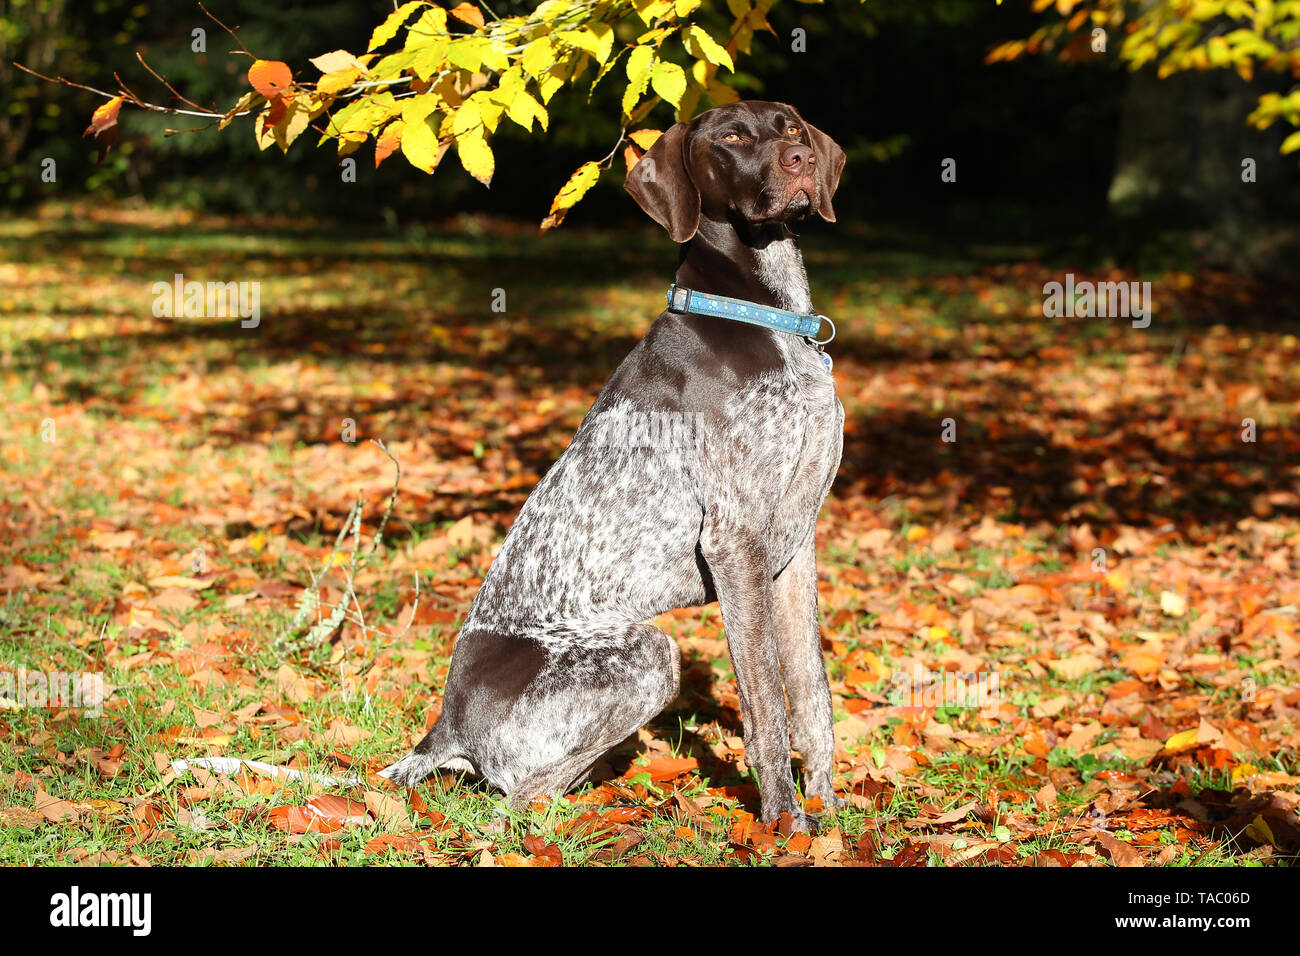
x=1100, y=553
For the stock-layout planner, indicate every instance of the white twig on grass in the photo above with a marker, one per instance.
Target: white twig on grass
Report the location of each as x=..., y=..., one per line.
x=232, y=765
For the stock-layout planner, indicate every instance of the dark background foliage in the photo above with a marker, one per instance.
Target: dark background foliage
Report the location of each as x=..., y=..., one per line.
x=901, y=85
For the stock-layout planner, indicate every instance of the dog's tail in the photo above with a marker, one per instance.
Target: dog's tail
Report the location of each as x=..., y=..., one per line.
x=429, y=754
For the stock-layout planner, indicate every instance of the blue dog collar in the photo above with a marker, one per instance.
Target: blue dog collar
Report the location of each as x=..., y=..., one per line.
x=683, y=300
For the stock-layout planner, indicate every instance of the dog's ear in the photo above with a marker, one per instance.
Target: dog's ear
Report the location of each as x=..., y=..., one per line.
x=661, y=184
x=830, y=163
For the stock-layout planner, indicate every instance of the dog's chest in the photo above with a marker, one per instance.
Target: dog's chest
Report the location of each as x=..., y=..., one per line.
x=787, y=430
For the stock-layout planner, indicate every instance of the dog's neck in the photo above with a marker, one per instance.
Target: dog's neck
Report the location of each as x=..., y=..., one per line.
x=760, y=263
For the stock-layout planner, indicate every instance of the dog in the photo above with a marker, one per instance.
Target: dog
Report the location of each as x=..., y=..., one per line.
x=557, y=662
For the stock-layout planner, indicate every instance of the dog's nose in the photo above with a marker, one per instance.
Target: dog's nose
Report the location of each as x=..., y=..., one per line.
x=797, y=158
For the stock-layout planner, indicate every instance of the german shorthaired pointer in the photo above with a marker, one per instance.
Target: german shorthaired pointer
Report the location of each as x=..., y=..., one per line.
x=557, y=661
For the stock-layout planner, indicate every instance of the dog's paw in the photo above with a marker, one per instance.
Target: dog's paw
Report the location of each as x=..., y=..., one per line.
x=819, y=785
x=791, y=822
x=832, y=801
x=408, y=771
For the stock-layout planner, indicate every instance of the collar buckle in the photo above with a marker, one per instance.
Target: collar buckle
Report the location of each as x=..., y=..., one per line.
x=822, y=343
x=679, y=299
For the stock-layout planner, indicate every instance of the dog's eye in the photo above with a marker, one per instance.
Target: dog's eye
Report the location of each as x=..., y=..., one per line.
x=792, y=131
x=731, y=137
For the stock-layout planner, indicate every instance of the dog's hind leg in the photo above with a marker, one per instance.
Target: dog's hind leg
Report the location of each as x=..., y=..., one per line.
x=628, y=678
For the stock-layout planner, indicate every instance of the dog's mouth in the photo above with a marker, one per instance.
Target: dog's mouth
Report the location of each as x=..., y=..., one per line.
x=795, y=204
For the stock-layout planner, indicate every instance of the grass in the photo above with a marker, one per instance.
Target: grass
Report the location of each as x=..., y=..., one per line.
x=145, y=449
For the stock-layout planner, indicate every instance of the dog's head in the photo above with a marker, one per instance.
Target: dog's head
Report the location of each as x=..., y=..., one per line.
x=758, y=161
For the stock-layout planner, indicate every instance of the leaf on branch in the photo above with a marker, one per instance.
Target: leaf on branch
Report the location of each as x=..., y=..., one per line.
x=522, y=108
x=416, y=108
x=645, y=138
x=429, y=29
x=388, y=141
x=388, y=29
x=579, y=183
x=421, y=147
x=335, y=61
x=651, y=10
x=468, y=13
x=476, y=155
x=270, y=77
x=596, y=39
x=103, y=126
x=337, y=82
x=702, y=46
x=631, y=155
x=296, y=118
x=267, y=120
x=638, y=75
x=669, y=81
x=539, y=56
x=721, y=93
x=104, y=117
x=469, y=52
x=363, y=116
x=245, y=103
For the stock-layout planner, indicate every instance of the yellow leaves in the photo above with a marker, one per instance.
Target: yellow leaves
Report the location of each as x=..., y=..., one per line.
x=1181, y=742
x=469, y=52
x=669, y=81
x=363, y=115
x=651, y=10
x=388, y=29
x=522, y=109
x=340, y=68
x=1173, y=604
x=539, y=56
x=332, y=83
x=1259, y=831
x=1291, y=143
x=427, y=30
x=579, y=183
x=282, y=122
x=702, y=46
x=721, y=94
x=638, y=61
x=639, y=73
x=596, y=39
x=421, y=146
x=476, y=155
x=416, y=108
x=645, y=138
x=336, y=60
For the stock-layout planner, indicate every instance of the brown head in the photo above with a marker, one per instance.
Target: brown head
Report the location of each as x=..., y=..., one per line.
x=753, y=160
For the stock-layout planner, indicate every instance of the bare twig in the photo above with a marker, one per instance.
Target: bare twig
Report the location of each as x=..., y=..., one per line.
x=127, y=94
x=163, y=80
x=242, y=49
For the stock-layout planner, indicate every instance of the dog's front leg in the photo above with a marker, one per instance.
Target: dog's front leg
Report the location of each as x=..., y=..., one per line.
x=800, y=647
x=738, y=561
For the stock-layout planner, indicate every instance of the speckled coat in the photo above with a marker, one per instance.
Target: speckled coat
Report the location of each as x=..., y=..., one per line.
x=696, y=476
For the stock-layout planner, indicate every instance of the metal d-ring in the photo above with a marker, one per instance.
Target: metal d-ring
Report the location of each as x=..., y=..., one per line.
x=820, y=343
